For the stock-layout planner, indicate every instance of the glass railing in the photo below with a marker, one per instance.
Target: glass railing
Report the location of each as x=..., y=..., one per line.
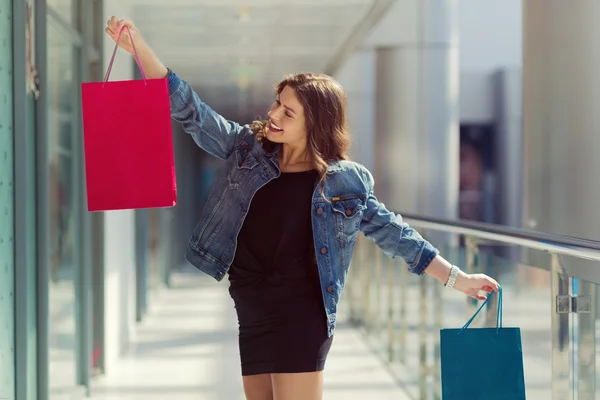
x=549, y=284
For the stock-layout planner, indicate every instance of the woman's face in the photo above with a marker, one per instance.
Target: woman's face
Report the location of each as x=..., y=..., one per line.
x=288, y=124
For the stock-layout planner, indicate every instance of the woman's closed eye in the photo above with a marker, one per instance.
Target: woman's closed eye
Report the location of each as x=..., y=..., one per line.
x=287, y=113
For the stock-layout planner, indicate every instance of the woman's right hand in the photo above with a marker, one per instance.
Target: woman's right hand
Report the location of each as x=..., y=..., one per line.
x=115, y=25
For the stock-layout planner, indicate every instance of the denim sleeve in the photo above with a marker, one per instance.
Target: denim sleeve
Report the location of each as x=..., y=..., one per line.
x=213, y=133
x=393, y=235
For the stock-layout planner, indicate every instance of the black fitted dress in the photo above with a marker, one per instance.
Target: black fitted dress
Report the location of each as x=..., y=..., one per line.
x=274, y=281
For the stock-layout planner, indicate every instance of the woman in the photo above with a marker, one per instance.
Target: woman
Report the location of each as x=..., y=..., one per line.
x=282, y=220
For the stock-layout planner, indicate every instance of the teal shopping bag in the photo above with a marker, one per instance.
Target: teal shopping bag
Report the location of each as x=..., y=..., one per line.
x=482, y=363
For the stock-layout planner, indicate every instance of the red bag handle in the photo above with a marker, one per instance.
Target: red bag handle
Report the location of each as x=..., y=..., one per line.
x=135, y=54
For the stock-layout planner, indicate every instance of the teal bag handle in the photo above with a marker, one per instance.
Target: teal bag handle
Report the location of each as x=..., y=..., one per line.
x=498, y=314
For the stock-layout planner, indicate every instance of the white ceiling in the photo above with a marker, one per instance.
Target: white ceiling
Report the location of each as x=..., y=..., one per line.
x=234, y=52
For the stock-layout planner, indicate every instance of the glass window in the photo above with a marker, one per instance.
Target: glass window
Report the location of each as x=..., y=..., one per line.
x=7, y=345
x=63, y=7
x=62, y=125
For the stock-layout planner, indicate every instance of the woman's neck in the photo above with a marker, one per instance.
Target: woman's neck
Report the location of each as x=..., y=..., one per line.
x=291, y=154
x=294, y=158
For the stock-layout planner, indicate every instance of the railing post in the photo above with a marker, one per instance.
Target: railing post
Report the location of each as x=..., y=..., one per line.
x=423, y=367
x=586, y=338
x=367, y=289
x=377, y=281
x=390, y=314
x=561, y=333
x=356, y=263
x=403, y=287
x=438, y=318
x=353, y=279
x=471, y=250
x=486, y=264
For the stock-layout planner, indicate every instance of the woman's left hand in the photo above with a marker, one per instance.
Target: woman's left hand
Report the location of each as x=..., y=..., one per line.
x=472, y=284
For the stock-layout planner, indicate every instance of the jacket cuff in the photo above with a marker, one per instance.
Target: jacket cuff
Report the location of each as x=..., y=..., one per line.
x=427, y=255
x=174, y=82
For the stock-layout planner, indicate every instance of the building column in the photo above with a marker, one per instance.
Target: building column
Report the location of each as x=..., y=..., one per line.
x=119, y=252
x=357, y=76
x=508, y=145
x=561, y=103
x=561, y=116
x=416, y=115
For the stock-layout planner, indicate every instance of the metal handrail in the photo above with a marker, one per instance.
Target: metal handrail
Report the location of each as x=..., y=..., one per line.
x=378, y=298
x=564, y=245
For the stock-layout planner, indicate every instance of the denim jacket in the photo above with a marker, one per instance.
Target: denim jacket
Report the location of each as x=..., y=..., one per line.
x=350, y=207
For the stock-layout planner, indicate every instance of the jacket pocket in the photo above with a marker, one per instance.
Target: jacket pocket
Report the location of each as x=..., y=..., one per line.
x=347, y=214
x=245, y=160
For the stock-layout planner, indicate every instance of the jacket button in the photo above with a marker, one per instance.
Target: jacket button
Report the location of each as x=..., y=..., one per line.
x=323, y=250
x=319, y=211
x=330, y=289
x=348, y=212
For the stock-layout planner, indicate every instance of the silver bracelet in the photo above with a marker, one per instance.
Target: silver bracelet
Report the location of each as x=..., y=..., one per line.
x=452, y=278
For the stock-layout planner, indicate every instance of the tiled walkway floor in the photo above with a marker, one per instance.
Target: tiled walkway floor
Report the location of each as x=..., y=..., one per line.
x=187, y=349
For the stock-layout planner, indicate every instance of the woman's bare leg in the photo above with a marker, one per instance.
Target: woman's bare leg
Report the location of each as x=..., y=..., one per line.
x=258, y=387
x=300, y=386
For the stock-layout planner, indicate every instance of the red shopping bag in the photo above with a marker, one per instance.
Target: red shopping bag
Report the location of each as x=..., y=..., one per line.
x=128, y=142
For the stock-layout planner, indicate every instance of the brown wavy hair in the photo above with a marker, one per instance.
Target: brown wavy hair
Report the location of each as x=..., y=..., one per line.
x=324, y=103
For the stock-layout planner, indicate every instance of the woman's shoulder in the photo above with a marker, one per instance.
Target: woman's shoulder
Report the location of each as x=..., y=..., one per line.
x=347, y=167
x=350, y=172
